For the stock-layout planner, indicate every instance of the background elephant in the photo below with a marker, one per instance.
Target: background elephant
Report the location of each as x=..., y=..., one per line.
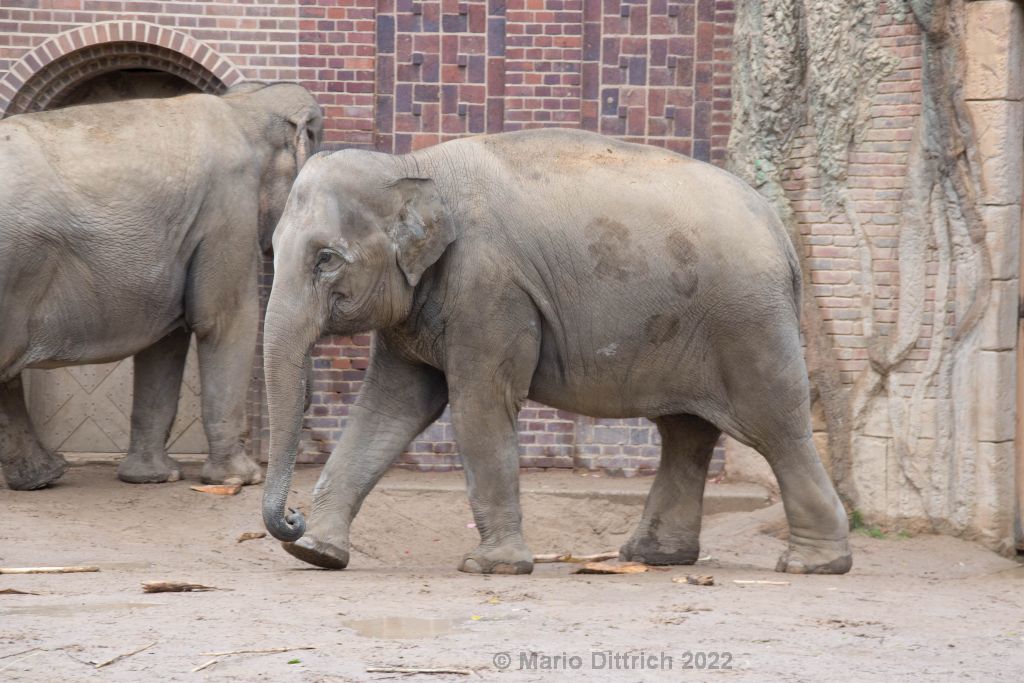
x=125, y=228
x=601, y=277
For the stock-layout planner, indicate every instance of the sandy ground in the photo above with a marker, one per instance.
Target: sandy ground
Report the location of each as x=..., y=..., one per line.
x=923, y=608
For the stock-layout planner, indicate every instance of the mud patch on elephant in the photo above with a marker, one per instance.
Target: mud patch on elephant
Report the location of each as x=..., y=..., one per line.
x=661, y=328
x=614, y=254
x=682, y=251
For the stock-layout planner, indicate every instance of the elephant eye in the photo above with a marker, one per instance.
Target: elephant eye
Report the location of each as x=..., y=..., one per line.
x=328, y=261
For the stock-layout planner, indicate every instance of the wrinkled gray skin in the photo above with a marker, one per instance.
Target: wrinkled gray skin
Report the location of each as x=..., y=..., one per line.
x=125, y=228
x=605, y=278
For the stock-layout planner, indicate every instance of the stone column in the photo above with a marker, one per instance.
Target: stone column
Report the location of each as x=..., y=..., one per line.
x=994, y=90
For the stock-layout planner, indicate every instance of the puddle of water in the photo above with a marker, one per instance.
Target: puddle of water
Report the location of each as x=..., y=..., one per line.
x=66, y=610
x=401, y=627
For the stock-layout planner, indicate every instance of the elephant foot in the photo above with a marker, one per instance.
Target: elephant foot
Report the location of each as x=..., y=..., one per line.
x=509, y=558
x=237, y=469
x=649, y=550
x=815, y=557
x=38, y=471
x=138, y=468
x=318, y=553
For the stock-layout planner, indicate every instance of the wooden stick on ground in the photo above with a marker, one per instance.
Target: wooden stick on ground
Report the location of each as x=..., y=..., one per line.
x=175, y=587
x=29, y=654
x=47, y=570
x=219, y=489
x=552, y=557
x=609, y=568
x=569, y=557
x=416, y=670
x=206, y=665
x=748, y=582
x=269, y=651
x=125, y=655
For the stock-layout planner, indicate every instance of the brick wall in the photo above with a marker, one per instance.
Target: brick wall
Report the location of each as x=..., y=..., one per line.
x=336, y=60
x=399, y=75
x=260, y=39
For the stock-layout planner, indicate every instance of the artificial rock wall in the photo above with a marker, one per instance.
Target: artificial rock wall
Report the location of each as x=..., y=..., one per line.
x=909, y=226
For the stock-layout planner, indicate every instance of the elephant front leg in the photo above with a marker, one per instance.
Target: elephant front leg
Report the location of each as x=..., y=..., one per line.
x=157, y=384
x=485, y=427
x=669, y=531
x=27, y=465
x=398, y=401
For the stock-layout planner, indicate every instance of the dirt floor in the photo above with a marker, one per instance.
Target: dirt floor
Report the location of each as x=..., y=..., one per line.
x=923, y=608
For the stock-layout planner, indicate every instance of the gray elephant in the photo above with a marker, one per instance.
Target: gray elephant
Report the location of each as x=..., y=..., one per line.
x=125, y=228
x=592, y=275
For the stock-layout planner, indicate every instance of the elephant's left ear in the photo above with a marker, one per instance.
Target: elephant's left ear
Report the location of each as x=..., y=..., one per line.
x=303, y=141
x=422, y=229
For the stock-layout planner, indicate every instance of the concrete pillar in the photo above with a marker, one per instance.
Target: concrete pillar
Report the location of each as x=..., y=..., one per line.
x=994, y=90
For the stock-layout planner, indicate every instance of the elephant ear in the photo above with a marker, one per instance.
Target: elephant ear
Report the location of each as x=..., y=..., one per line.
x=422, y=229
x=302, y=142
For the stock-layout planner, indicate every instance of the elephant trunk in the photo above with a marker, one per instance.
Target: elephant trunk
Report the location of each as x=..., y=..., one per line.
x=288, y=335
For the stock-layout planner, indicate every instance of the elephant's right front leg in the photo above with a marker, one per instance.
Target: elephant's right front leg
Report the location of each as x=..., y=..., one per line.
x=398, y=401
x=157, y=383
x=27, y=465
x=484, y=417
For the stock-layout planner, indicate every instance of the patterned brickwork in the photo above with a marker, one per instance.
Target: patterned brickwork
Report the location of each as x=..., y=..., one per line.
x=337, y=56
x=544, y=61
x=399, y=75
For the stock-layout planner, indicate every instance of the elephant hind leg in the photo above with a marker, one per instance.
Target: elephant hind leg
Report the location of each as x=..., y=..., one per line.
x=669, y=531
x=771, y=413
x=157, y=383
x=818, y=527
x=27, y=465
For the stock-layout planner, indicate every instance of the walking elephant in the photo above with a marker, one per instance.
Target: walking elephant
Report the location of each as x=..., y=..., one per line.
x=592, y=275
x=125, y=228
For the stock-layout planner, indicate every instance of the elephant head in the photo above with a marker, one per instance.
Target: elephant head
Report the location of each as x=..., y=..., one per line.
x=287, y=118
x=356, y=237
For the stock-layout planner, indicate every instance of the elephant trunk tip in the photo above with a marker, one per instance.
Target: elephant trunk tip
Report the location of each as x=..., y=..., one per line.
x=285, y=527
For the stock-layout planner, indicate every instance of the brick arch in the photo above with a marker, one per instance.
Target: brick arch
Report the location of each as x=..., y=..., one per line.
x=70, y=58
